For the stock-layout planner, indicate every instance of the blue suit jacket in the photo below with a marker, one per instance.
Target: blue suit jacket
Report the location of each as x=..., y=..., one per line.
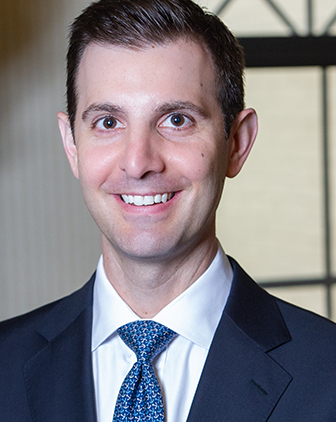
x=269, y=361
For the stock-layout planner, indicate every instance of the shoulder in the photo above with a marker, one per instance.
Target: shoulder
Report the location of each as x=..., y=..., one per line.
x=25, y=332
x=299, y=319
x=309, y=331
x=24, y=323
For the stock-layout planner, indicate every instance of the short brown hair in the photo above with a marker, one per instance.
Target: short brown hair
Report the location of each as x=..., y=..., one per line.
x=137, y=23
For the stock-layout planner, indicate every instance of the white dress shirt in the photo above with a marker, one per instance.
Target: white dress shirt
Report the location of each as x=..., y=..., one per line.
x=194, y=316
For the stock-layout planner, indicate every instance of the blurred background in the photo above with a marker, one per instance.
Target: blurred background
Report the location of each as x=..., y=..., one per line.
x=277, y=218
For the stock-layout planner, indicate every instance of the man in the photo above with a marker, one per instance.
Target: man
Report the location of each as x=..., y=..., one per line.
x=155, y=123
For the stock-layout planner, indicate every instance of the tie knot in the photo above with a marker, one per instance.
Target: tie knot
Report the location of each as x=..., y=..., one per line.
x=146, y=338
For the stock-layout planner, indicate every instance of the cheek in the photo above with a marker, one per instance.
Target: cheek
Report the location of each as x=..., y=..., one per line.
x=208, y=166
x=211, y=174
x=95, y=166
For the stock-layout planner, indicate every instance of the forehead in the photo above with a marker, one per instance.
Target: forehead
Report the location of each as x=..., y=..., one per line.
x=183, y=68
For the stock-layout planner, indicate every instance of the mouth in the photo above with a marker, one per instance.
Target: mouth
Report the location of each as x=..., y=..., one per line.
x=139, y=200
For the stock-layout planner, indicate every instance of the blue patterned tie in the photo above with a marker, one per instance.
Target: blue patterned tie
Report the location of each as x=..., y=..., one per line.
x=140, y=396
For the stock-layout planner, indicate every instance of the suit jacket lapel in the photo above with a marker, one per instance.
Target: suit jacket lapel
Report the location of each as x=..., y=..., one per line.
x=240, y=381
x=59, y=376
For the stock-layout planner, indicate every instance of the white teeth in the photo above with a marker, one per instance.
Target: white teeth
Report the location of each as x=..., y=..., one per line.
x=128, y=199
x=139, y=200
x=149, y=200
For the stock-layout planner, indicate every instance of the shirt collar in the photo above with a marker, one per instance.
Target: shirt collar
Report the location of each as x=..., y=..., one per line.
x=194, y=314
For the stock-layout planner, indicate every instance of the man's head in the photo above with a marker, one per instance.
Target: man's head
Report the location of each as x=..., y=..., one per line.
x=147, y=138
x=136, y=24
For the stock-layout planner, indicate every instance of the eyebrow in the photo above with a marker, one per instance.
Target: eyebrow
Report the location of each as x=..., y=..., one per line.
x=170, y=107
x=107, y=107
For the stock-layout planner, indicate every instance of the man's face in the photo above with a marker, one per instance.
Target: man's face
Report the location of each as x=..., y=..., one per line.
x=150, y=151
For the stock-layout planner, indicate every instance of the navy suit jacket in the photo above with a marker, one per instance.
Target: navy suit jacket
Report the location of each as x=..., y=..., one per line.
x=269, y=361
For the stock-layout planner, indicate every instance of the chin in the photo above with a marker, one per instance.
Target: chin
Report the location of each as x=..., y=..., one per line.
x=147, y=248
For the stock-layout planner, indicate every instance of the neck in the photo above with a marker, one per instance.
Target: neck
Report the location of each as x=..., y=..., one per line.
x=148, y=286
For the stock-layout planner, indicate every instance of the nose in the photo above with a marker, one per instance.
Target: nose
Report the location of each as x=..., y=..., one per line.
x=142, y=153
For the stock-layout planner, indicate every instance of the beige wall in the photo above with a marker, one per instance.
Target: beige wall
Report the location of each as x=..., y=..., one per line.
x=49, y=245
x=270, y=219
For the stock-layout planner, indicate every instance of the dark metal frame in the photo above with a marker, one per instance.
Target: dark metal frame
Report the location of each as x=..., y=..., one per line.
x=294, y=51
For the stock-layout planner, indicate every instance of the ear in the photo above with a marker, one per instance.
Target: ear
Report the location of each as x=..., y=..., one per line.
x=68, y=141
x=242, y=136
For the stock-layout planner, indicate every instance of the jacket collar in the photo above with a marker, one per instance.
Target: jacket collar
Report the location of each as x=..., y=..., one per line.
x=255, y=312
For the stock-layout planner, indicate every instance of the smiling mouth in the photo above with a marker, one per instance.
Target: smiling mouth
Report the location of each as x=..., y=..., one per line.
x=139, y=200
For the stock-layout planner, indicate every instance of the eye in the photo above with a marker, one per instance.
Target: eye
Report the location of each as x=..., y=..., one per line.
x=176, y=120
x=108, y=123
